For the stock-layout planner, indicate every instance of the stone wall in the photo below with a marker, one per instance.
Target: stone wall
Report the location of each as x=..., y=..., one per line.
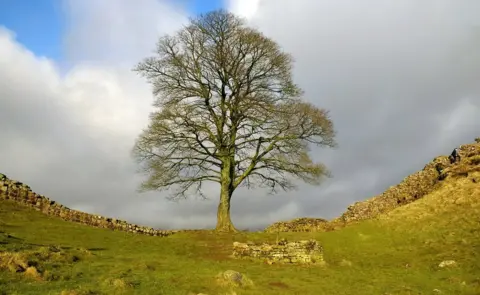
x=301, y=252
x=21, y=193
x=413, y=187
x=304, y=224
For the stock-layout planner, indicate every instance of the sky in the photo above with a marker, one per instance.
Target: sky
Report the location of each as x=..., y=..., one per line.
x=400, y=79
x=40, y=25
x=42, y=32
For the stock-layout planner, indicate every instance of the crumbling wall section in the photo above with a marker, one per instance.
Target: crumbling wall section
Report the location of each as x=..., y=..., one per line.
x=21, y=193
x=304, y=224
x=301, y=252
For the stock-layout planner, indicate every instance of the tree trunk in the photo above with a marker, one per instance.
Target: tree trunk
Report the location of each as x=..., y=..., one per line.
x=224, y=223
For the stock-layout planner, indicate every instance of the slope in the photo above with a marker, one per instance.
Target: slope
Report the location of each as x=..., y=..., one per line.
x=401, y=251
x=435, y=175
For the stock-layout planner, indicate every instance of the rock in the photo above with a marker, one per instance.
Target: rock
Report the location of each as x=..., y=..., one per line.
x=32, y=272
x=233, y=278
x=304, y=252
x=447, y=263
x=119, y=283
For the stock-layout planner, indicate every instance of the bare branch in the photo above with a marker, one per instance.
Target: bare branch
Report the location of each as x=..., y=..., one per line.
x=227, y=111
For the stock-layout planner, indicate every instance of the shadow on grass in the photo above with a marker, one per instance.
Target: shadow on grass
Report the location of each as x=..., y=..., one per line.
x=6, y=225
x=9, y=242
x=97, y=249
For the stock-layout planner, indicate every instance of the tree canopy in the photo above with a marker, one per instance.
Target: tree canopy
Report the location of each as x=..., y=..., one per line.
x=227, y=111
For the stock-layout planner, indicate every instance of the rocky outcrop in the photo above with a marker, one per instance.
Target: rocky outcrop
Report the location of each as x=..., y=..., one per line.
x=21, y=193
x=301, y=252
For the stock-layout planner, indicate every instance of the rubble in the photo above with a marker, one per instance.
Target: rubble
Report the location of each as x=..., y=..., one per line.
x=301, y=252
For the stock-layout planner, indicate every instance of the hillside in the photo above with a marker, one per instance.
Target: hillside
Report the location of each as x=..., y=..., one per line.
x=424, y=245
x=436, y=175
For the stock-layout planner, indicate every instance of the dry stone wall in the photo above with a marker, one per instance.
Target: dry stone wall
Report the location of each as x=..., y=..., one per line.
x=413, y=187
x=21, y=193
x=301, y=252
x=304, y=224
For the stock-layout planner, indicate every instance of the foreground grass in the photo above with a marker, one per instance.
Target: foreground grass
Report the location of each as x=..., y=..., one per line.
x=396, y=254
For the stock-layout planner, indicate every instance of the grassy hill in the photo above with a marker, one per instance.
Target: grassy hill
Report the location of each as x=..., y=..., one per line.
x=394, y=251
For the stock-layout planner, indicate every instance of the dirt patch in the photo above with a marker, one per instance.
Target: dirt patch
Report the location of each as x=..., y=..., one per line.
x=79, y=292
x=213, y=246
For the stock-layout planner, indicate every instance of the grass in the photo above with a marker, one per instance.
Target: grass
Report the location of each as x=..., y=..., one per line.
x=397, y=253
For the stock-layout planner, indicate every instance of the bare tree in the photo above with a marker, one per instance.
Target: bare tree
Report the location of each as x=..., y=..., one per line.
x=227, y=112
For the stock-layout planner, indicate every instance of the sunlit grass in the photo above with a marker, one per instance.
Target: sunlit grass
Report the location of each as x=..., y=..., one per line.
x=396, y=254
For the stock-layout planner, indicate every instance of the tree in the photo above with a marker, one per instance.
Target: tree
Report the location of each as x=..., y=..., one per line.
x=227, y=111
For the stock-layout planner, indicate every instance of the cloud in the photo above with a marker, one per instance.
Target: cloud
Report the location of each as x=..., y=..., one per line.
x=245, y=8
x=119, y=32
x=400, y=80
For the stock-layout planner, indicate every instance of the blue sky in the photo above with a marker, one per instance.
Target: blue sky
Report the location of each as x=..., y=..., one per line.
x=39, y=24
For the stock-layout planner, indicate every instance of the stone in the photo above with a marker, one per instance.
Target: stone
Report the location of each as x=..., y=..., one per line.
x=233, y=278
x=32, y=272
x=301, y=252
x=447, y=263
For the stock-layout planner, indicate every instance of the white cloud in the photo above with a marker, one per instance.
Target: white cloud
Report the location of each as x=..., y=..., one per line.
x=118, y=31
x=244, y=8
x=397, y=76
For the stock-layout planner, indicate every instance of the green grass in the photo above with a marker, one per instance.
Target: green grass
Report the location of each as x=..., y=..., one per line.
x=398, y=253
